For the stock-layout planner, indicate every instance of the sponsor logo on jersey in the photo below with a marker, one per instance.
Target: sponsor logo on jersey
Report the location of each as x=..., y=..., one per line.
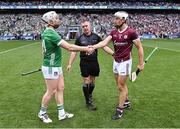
x=115, y=36
x=120, y=43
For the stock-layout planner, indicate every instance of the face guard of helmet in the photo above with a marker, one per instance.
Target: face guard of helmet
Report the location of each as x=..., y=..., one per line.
x=121, y=17
x=52, y=19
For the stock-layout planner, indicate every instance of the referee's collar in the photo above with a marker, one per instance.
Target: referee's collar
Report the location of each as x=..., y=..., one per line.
x=88, y=35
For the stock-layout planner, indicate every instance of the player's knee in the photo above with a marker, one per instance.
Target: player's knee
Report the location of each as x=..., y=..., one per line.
x=87, y=80
x=92, y=79
x=60, y=88
x=121, y=87
x=49, y=94
x=54, y=91
x=121, y=83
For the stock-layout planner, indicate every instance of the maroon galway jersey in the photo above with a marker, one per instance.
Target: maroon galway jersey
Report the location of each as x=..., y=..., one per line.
x=123, y=43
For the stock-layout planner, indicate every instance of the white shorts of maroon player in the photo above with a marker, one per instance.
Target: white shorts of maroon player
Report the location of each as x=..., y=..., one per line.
x=51, y=72
x=122, y=68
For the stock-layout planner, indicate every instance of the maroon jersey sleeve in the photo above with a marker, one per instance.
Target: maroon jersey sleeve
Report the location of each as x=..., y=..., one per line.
x=133, y=34
x=112, y=32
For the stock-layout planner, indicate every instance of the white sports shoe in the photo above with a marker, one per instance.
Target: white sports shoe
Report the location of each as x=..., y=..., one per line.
x=65, y=116
x=45, y=118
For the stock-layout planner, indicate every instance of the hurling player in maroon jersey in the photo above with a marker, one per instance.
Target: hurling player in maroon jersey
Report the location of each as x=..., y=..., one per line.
x=123, y=38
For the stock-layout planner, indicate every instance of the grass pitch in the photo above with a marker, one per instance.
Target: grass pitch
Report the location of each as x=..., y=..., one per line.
x=155, y=96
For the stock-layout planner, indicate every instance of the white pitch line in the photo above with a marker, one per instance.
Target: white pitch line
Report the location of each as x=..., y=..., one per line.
x=13, y=49
x=162, y=48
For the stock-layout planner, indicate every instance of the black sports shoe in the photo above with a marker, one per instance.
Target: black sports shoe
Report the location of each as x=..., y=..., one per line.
x=118, y=114
x=127, y=104
x=91, y=107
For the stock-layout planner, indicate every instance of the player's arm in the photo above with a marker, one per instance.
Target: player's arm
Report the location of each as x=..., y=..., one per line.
x=103, y=43
x=42, y=52
x=108, y=50
x=139, y=46
x=74, y=48
x=43, y=48
x=71, y=60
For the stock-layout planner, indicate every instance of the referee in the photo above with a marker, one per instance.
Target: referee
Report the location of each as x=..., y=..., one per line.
x=89, y=65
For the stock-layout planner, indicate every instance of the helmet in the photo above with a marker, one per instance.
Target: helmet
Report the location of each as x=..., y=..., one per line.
x=49, y=16
x=121, y=15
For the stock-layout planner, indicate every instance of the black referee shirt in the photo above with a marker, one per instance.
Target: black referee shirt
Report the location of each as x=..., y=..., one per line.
x=84, y=40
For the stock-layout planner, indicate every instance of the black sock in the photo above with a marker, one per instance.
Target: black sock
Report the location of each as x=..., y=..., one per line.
x=91, y=88
x=86, y=92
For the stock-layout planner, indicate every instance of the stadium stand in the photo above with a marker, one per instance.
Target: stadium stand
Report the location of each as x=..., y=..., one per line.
x=149, y=24
x=109, y=3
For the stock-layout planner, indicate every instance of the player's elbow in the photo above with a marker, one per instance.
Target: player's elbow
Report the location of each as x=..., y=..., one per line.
x=139, y=47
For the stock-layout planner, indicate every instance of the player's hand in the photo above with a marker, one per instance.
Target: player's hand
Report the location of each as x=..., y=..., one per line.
x=68, y=68
x=141, y=66
x=90, y=50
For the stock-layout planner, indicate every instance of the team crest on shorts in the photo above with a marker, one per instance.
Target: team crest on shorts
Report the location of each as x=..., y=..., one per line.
x=55, y=73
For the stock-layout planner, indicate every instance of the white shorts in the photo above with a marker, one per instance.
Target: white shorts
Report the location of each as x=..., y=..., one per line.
x=51, y=72
x=122, y=68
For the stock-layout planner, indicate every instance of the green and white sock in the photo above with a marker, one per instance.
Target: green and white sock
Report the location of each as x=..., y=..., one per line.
x=60, y=108
x=42, y=110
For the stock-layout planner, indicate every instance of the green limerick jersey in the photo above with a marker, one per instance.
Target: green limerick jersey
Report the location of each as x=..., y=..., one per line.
x=52, y=51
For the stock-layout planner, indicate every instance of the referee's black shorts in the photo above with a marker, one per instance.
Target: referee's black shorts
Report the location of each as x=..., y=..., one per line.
x=89, y=68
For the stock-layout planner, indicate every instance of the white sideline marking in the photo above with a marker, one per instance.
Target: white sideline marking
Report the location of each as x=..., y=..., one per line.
x=162, y=48
x=13, y=49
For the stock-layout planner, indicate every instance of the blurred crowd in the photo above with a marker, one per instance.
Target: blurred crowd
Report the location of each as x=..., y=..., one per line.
x=110, y=3
x=31, y=24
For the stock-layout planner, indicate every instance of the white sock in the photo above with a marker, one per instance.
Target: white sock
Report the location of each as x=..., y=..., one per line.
x=42, y=110
x=60, y=108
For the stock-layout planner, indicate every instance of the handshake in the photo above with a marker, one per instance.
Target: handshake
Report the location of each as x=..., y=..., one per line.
x=89, y=49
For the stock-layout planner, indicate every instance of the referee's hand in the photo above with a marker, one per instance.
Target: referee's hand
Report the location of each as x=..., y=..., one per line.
x=90, y=50
x=68, y=68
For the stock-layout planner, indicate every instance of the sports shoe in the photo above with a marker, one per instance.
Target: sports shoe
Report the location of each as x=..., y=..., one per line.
x=118, y=114
x=45, y=118
x=91, y=107
x=65, y=116
x=127, y=104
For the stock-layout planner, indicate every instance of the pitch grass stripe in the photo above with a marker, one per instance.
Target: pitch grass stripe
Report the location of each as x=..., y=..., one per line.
x=171, y=91
x=150, y=99
x=162, y=48
x=13, y=49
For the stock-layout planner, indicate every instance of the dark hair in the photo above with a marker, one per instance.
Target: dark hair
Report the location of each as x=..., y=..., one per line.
x=85, y=20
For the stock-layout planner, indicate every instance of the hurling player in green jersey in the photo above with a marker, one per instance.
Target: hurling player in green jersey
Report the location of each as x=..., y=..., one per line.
x=51, y=67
